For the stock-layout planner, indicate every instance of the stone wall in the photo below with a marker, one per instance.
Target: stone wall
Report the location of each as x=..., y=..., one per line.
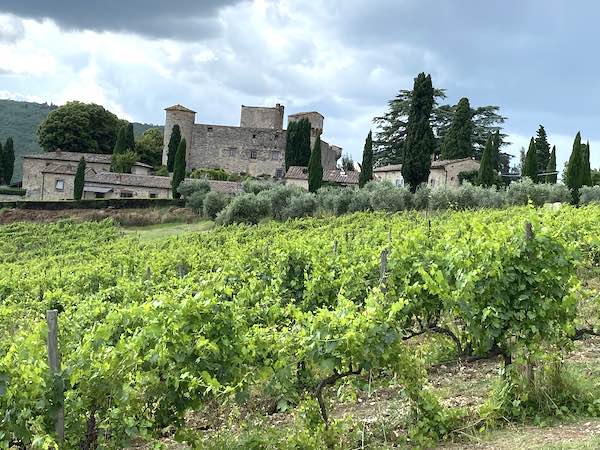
x=49, y=190
x=255, y=151
x=448, y=174
x=316, y=123
x=262, y=117
x=394, y=176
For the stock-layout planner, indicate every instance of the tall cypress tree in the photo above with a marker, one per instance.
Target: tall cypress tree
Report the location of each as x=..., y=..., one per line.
x=8, y=161
x=551, y=167
x=1, y=164
x=290, y=145
x=366, y=172
x=530, y=168
x=496, y=144
x=303, y=143
x=574, y=175
x=121, y=142
x=174, y=142
x=420, y=142
x=542, y=149
x=129, y=138
x=458, y=141
x=586, y=178
x=315, y=167
x=485, y=177
x=79, y=181
x=178, y=168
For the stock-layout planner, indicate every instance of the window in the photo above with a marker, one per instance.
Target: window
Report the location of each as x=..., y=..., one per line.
x=60, y=185
x=253, y=154
x=153, y=195
x=126, y=194
x=253, y=136
x=399, y=182
x=230, y=152
x=275, y=156
x=209, y=129
x=279, y=173
x=432, y=182
x=99, y=195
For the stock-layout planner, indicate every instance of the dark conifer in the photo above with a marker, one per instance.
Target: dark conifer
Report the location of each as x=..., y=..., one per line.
x=315, y=167
x=485, y=177
x=129, y=137
x=574, y=174
x=586, y=178
x=458, y=141
x=542, y=150
x=174, y=142
x=530, y=168
x=121, y=143
x=178, y=168
x=79, y=181
x=8, y=160
x=551, y=167
x=366, y=171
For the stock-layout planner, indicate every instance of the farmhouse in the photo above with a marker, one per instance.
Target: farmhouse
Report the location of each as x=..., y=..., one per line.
x=298, y=176
x=444, y=172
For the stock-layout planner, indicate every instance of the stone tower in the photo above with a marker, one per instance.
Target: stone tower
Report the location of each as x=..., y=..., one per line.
x=185, y=118
x=262, y=117
x=316, y=123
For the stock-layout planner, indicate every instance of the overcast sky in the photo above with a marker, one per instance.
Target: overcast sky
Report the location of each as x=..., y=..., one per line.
x=536, y=59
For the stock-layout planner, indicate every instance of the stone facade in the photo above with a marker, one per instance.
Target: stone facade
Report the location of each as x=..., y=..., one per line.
x=256, y=147
x=298, y=176
x=442, y=173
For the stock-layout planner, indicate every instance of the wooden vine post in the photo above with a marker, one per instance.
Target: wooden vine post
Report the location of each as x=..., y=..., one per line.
x=54, y=364
x=529, y=364
x=383, y=273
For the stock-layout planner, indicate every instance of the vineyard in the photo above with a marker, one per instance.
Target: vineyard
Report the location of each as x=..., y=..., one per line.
x=291, y=316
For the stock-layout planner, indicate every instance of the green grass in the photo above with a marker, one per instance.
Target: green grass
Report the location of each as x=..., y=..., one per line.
x=152, y=232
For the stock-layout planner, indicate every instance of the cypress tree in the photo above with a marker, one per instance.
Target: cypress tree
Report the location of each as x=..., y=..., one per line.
x=458, y=141
x=178, y=168
x=290, y=145
x=79, y=180
x=542, y=149
x=586, y=178
x=315, y=167
x=574, y=175
x=8, y=160
x=1, y=164
x=420, y=143
x=129, y=138
x=530, y=164
x=485, y=177
x=303, y=143
x=121, y=143
x=496, y=144
x=551, y=167
x=174, y=142
x=366, y=172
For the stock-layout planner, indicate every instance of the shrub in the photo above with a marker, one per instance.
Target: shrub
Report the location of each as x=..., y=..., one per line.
x=440, y=198
x=420, y=199
x=589, y=194
x=195, y=201
x=342, y=200
x=255, y=186
x=188, y=187
x=326, y=198
x=279, y=197
x=361, y=201
x=245, y=208
x=387, y=197
x=214, y=174
x=213, y=203
x=162, y=171
x=300, y=205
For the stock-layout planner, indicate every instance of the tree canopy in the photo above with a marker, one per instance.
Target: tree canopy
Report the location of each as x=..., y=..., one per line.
x=457, y=142
x=297, y=146
x=178, y=168
x=315, y=167
x=7, y=161
x=574, y=169
x=150, y=147
x=174, y=142
x=79, y=182
x=485, y=176
x=551, y=167
x=366, y=170
x=79, y=127
x=542, y=149
x=530, y=166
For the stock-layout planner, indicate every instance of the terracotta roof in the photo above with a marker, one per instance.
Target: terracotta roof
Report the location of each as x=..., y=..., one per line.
x=67, y=169
x=330, y=176
x=59, y=155
x=388, y=168
x=179, y=107
x=446, y=162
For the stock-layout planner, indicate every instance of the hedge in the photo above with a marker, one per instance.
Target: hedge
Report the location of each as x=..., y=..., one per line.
x=117, y=203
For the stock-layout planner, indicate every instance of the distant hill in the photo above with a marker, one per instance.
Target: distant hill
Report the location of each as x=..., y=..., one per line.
x=21, y=120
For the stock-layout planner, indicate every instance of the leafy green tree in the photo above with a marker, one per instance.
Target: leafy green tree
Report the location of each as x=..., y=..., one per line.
x=121, y=142
x=586, y=169
x=8, y=160
x=551, y=167
x=129, y=138
x=574, y=171
x=542, y=149
x=420, y=143
x=123, y=162
x=297, y=148
x=390, y=138
x=486, y=169
x=315, y=167
x=150, y=147
x=178, y=168
x=530, y=164
x=366, y=169
x=174, y=142
x=79, y=181
x=347, y=163
x=457, y=141
x=79, y=127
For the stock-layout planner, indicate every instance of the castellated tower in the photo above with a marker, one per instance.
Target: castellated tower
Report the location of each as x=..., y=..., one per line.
x=185, y=118
x=316, y=123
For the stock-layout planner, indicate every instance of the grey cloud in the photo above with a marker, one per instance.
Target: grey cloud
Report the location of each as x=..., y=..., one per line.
x=184, y=19
x=11, y=29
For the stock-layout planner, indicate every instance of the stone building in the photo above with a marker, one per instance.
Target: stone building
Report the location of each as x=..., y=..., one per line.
x=256, y=147
x=51, y=176
x=298, y=176
x=442, y=173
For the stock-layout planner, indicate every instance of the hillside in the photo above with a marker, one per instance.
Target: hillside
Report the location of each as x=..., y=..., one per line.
x=21, y=120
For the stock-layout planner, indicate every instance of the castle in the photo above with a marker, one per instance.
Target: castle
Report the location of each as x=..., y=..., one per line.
x=256, y=147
